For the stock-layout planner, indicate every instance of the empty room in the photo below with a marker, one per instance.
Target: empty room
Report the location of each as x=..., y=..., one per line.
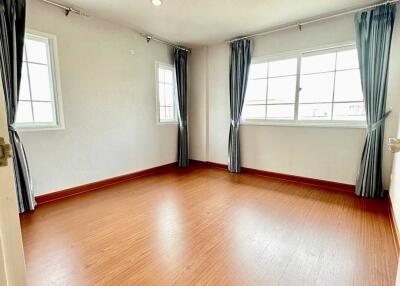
x=199, y=142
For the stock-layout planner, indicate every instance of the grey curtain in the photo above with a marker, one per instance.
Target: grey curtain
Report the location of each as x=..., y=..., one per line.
x=374, y=34
x=239, y=71
x=12, y=33
x=180, y=61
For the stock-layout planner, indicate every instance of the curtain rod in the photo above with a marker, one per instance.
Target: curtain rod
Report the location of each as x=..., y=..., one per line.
x=65, y=8
x=152, y=38
x=146, y=36
x=313, y=20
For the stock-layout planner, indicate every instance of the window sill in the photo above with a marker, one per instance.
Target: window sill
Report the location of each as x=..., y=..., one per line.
x=167, y=123
x=39, y=128
x=317, y=124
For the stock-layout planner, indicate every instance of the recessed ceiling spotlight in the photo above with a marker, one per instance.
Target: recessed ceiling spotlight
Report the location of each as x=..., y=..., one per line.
x=156, y=2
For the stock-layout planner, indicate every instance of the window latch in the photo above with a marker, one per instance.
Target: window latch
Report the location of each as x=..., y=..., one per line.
x=5, y=152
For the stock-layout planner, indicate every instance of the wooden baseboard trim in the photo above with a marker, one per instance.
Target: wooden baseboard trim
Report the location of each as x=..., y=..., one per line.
x=393, y=225
x=291, y=178
x=209, y=165
x=42, y=199
x=51, y=197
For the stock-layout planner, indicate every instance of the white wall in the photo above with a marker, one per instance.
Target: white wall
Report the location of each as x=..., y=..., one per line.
x=394, y=92
x=197, y=104
x=392, y=123
x=395, y=190
x=109, y=104
x=323, y=153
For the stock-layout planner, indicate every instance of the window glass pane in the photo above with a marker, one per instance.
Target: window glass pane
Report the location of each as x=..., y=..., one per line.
x=36, y=51
x=258, y=71
x=168, y=76
x=162, y=113
x=254, y=112
x=166, y=94
x=282, y=90
x=43, y=111
x=169, y=95
x=354, y=111
x=256, y=91
x=315, y=111
x=161, y=77
x=316, y=87
x=24, y=88
x=40, y=82
x=348, y=86
x=282, y=68
x=318, y=63
x=169, y=113
x=24, y=112
x=161, y=94
x=280, y=111
x=347, y=60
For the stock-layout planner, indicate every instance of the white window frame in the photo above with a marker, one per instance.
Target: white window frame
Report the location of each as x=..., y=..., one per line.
x=58, y=124
x=296, y=122
x=170, y=67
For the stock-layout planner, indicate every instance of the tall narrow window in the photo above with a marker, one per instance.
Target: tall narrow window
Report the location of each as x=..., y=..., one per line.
x=38, y=105
x=166, y=93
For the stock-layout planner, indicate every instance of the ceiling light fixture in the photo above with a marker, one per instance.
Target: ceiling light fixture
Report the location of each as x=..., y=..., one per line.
x=156, y=2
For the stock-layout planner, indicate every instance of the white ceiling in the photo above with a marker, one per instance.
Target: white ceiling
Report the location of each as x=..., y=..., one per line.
x=199, y=22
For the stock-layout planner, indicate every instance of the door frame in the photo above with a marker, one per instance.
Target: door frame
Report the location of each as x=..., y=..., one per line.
x=12, y=260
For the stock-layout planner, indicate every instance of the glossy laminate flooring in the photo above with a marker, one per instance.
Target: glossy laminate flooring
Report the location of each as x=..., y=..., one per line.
x=208, y=227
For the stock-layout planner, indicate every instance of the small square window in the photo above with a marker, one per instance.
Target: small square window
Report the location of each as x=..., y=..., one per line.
x=330, y=86
x=39, y=101
x=166, y=93
x=271, y=90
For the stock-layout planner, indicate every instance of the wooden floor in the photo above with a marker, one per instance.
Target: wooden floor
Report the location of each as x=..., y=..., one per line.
x=208, y=227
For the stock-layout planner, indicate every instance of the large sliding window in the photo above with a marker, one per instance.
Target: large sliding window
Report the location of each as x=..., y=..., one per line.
x=322, y=87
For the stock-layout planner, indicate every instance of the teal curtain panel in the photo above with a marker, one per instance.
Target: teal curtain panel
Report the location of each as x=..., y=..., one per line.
x=180, y=62
x=240, y=60
x=12, y=34
x=374, y=35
